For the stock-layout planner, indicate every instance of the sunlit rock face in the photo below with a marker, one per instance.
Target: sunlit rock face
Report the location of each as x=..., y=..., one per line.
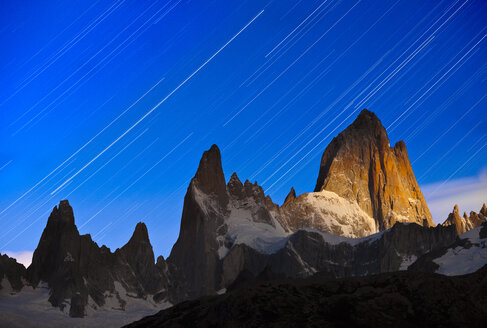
x=359, y=165
x=466, y=223
x=234, y=228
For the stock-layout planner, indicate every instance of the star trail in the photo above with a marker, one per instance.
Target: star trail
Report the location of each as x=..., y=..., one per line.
x=110, y=104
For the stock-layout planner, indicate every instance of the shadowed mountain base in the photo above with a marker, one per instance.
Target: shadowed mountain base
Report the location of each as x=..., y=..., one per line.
x=400, y=299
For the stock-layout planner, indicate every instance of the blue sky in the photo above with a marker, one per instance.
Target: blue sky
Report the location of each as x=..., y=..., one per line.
x=111, y=103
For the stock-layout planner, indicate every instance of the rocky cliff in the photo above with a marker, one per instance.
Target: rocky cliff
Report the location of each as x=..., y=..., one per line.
x=360, y=165
x=466, y=223
x=230, y=229
x=80, y=273
x=12, y=274
x=466, y=254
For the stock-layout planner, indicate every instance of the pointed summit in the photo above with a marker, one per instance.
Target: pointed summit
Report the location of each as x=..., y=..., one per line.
x=59, y=237
x=367, y=121
x=368, y=127
x=140, y=234
x=235, y=187
x=483, y=210
x=139, y=255
x=62, y=213
x=291, y=196
x=209, y=177
x=359, y=165
x=456, y=220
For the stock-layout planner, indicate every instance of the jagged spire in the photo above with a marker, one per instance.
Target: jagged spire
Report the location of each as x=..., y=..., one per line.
x=455, y=219
x=209, y=177
x=235, y=186
x=140, y=234
x=63, y=212
x=483, y=210
x=291, y=196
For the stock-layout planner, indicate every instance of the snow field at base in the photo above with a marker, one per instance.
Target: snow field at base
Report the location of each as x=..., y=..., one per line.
x=462, y=260
x=41, y=314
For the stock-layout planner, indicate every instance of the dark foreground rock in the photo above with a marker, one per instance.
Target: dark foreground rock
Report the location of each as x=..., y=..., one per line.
x=12, y=271
x=399, y=299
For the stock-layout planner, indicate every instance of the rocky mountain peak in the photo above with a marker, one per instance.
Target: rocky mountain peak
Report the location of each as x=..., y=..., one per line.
x=235, y=187
x=456, y=211
x=77, y=269
x=209, y=177
x=465, y=223
x=138, y=254
x=400, y=148
x=367, y=122
x=359, y=165
x=368, y=127
x=140, y=234
x=63, y=213
x=15, y=273
x=455, y=219
x=483, y=210
x=291, y=196
x=234, y=179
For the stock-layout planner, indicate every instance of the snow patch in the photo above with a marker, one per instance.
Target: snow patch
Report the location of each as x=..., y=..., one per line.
x=407, y=260
x=462, y=260
x=326, y=211
x=263, y=237
x=221, y=291
x=69, y=258
x=30, y=308
x=308, y=270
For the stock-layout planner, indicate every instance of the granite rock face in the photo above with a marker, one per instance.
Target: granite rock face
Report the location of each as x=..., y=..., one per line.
x=205, y=236
x=76, y=269
x=193, y=263
x=465, y=223
x=360, y=165
x=308, y=252
x=291, y=196
x=234, y=229
x=14, y=273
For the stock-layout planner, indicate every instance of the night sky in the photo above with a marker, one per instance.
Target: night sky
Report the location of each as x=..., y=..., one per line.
x=111, y=104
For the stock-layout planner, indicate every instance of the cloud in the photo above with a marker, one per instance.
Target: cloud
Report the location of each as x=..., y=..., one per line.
x=24, y=257
x=468, y=193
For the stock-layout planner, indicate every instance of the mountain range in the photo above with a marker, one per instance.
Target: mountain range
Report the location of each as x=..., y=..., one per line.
x=366, y=216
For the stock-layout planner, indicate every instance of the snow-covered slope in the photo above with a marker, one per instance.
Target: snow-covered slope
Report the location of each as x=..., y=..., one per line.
x=466, y=256
x=243, y=228
x=249, y=221
x=327, y=212
x=30, y=308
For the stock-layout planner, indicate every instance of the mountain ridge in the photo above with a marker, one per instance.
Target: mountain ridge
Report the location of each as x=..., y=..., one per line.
x=230, y=230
